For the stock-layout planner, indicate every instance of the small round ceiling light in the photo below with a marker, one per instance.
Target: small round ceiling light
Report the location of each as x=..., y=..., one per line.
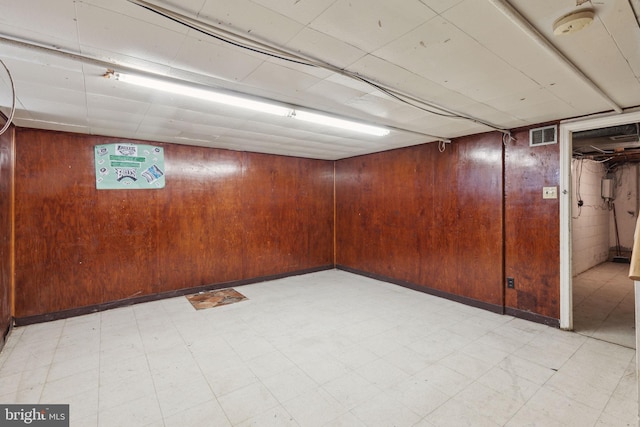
x=573, y=22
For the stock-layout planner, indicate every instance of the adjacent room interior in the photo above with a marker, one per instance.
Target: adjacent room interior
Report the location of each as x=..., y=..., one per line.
x=408, y=209
x=605, y=209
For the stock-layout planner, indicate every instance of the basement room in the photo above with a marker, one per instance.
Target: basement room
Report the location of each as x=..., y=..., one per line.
x=319, y=213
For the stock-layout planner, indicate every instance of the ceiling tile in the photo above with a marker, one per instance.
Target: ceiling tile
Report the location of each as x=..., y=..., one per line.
x=128, y=8
x=371, y=24
x=120, y=127
x=216, y=59
x=121, y=106
x=50, y=80
x=49, y=122
x=252, y=19
x=327, y=92
x=413, y=84
x=623, y=25
x=41, y=97
x=440, y=5
x=35, y=63
x=114, y=32
x=300, y=11
x=281, y=80
x=325, y=48
x=618, y=78
x=442, y=53
x=219, y=124
x=479, y=20
x=41, y=20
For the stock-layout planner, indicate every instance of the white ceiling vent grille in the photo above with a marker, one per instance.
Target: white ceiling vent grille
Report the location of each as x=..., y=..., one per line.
x=543, y=136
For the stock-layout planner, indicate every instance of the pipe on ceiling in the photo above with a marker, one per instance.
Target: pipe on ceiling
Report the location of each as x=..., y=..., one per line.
x=525, y=26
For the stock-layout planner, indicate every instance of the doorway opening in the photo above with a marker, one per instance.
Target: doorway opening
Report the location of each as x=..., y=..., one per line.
x=599, y=160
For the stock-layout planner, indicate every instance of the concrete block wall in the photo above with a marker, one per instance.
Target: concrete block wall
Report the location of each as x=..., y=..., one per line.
x=590, y=228
x=626, y=201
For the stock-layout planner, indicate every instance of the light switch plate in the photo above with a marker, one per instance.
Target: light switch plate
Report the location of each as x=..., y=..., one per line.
x=549, y=192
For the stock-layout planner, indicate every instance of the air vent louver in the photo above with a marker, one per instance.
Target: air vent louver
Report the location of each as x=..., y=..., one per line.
x=543, y=136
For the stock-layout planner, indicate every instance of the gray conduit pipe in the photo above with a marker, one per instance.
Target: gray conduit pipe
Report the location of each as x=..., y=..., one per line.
x=525, y=26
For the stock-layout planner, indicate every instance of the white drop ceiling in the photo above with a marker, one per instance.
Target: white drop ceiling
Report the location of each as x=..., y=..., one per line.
x=464, y=55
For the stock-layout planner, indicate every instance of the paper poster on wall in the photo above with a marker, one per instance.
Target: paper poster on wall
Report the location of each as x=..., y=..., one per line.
x=125, y=166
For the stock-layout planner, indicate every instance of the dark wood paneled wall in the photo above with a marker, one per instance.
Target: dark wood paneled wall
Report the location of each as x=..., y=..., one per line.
x=433, y=220
x=414, y=215
x=223, y=216
x=532, y=227
x=6, y=235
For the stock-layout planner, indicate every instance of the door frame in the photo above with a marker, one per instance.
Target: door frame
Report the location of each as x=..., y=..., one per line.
x=567, y=127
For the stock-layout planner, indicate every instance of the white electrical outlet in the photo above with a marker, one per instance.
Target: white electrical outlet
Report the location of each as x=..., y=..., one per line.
x=549, y=192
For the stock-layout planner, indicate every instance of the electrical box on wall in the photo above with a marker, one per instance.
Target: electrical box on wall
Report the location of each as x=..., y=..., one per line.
x=607, y=189
x=549, y=192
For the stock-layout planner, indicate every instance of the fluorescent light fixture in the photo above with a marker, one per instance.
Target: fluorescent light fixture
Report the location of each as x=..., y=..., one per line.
x=207, y=95
x=321, y=119
x=246, y=103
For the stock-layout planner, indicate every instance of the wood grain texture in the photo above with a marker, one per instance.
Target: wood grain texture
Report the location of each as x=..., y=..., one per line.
x=223, y=216
x=427, y=218
x=6, y=224
x=288, y=205
x=532, y=226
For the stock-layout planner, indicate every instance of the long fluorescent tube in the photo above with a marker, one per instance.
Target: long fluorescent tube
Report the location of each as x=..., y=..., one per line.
x=339, y=123
x=207, y=95
x=249, y=104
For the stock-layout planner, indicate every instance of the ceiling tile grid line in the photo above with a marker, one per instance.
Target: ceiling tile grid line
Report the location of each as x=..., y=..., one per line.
x=402, y=98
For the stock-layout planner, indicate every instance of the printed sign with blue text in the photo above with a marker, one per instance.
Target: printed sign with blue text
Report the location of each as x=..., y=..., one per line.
x=125, y=166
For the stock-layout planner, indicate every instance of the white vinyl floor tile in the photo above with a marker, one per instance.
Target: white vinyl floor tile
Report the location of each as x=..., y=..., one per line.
x=330, y=349
x=604, y=304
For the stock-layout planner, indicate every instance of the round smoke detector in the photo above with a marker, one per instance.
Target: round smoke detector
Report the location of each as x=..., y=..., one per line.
x=573, y=22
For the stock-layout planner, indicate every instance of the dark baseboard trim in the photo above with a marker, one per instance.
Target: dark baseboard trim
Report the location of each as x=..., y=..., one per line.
x=435, y=292
x=5, y=334
x=64, y=314
x=521, y=314
x=533, y=317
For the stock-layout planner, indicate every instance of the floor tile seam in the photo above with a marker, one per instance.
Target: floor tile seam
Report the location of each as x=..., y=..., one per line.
x=204, y=377
x=279, y=406
x=590, y=384
x=493, y=364
x=449, y=397
x=473, y=408
x=278, y=403
x=519, y=344
x=192, y=404
x=46, y=380
x=612, y=310
x=5, y=356
x=382, y=392
x=541, y=388
x=297, y=365
x=609, y=414
x=379, y=390
x=155, y=389
x=562, y=391
x=468, y=407
x=524, y=399
x=612, y=396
